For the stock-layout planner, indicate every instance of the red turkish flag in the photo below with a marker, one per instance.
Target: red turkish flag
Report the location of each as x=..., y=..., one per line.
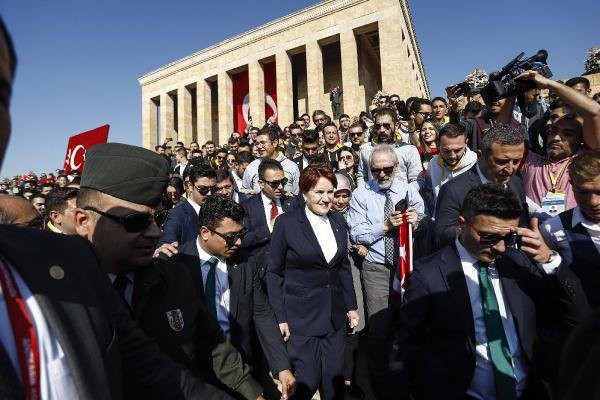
x=241, y=101
x=270, y=90
x=78, y=145
x=405, y=261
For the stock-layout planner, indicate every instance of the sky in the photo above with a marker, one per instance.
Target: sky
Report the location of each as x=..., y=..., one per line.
x=79, y=60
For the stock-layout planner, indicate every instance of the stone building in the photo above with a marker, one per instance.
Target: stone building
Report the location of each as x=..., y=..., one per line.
x=288, y=66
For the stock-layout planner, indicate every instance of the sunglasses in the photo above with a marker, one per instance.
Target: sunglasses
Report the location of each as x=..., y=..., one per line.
x=133, y=222
x=204, y=190
x=351, y=134
x=275, y=184
x=385, y=170
x=230, y=238
x=387, y=127
x=424, y=114
x=348, y=157
x=510, y=239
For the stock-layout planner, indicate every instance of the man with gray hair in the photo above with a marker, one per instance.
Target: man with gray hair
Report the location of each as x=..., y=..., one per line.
x=373, y=222
x=498, y=161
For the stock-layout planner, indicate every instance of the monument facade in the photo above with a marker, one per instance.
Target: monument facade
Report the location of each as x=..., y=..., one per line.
x=286, y=67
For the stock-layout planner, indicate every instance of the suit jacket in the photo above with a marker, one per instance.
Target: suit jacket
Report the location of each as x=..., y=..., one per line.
x=109, y=357
x=435, y=333
x=299, y=163
x=250, y=311
x=166, y=306
x=306, y=291
x=258, y=237
x=181, y=225
x=451, y=197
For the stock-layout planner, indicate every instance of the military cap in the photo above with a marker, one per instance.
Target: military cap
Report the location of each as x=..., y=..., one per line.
x=127, y=172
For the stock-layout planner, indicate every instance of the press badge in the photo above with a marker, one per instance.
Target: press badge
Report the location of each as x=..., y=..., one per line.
x=554, y=203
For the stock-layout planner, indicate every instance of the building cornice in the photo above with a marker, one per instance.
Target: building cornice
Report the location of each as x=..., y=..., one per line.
x=414, y=43
x=314, y=12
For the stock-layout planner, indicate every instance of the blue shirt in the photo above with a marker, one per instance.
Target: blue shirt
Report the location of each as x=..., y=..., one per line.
x=366, y=214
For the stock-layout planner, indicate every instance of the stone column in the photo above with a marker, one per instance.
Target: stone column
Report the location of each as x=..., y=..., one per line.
x=184, y=115
x=149, y=123
x=395, y=71
x=167, y=128
x=285, y=96
x=353, y=104
x=203, y=111
x=314, y=77
x=225, y=107
x=256, y=78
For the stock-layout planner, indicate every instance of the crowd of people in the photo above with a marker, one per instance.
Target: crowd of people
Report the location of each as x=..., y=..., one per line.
x=251, y=269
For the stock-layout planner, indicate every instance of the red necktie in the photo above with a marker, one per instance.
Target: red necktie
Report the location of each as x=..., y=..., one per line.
x=274, y=211
x=24, y=333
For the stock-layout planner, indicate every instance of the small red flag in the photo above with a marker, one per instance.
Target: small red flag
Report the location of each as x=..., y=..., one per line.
x=79, y=144
x=405, y=260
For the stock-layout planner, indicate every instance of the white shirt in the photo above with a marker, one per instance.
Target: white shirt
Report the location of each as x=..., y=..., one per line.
x=482, y=385
x=554, y=233
x=305, y=162
x=56, y=381
x=194, y=205
x=324, y=232
x=222, y=292
x=267, y=205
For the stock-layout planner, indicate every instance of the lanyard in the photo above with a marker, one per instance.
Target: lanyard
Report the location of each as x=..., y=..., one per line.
x=555, y=178
x=24, y=334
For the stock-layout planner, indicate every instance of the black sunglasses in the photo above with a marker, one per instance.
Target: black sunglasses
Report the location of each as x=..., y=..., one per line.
x=230, y=238
x=134, y=222
x=355, y=133
x=387, y=127
x=510, y=239
x=385, y=170
x=204, y=190
x=275, y=184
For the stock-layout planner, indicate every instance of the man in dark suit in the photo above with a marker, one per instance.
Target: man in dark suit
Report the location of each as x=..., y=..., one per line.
x=310, y=148
x=181, y=224
x=229, y=284
x=501, y=153
x=467, y=324
x=91, y=347
x=262, y=210
x=113, y=215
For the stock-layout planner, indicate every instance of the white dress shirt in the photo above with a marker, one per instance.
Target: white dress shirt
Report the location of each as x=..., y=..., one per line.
x=56, y=381
x=194, y=205
x=324, y=232
x=482, y=385
x=555, y=236
x=222, y=292
x=267, y=205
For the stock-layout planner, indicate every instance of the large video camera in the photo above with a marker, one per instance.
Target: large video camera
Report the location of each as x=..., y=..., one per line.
x=502, y=83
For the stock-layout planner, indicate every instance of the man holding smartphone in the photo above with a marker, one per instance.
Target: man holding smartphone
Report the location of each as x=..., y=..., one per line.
x=373, y=222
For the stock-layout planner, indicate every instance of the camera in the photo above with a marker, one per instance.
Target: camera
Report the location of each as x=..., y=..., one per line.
x=502, y=83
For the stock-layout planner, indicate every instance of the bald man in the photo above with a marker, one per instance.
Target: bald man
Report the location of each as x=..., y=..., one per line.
x=15, y=210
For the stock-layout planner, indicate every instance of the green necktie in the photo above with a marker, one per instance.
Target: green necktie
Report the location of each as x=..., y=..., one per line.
x=499, y=352
x=210, y=289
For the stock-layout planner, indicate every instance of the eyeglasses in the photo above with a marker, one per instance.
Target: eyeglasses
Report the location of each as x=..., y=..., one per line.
x=385, y=170
x=510, y=239
x=230, y=238
x=355, y=133
x=134, y=222
x=275, y=184
x=387, y=127
x=425, y=115
x=204, y=190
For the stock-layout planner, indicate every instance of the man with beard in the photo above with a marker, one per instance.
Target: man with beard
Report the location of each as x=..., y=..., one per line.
x=373, y=223
x=501, y=153
x=409, y=161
